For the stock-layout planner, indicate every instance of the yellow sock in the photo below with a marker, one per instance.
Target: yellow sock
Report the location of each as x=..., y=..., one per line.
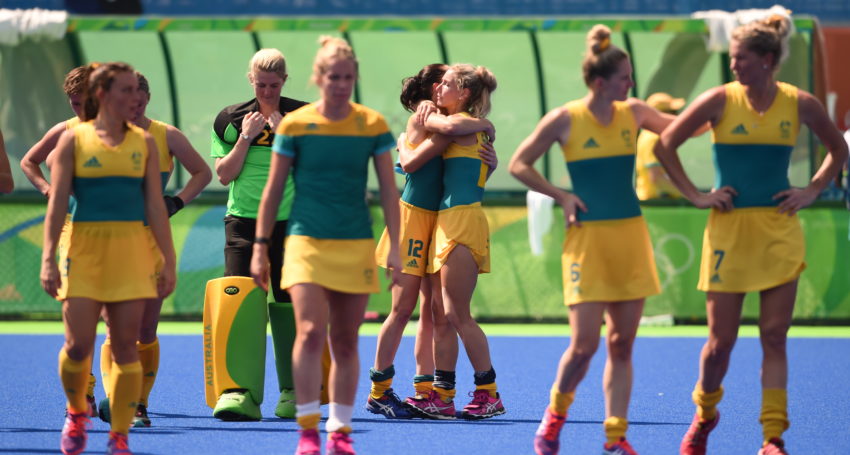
x=491, y=387
x=309, y=421
x=446, y=395
x=149, y=358
x=92, y=383
x=559, y=402
x=615, y=428
x=379, y=387
x=74, y=375
x=423, y=388
x=774, y=413
x=707, y=402
x=106, y=365
x=124, y=396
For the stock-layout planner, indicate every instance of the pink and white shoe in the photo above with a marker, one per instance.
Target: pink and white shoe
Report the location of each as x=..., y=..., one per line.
x=432, y=407
x=340, y=443
x=547, y=437
x=309, y=443
x=483, y=406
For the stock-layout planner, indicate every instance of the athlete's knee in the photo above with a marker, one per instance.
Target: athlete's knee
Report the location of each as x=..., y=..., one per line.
x=581, y=354
x=311, y=337
x=774, y=337
x=620, y=347
x=78, y=349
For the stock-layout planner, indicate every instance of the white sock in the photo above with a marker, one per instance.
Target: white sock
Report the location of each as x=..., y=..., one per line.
x=339, y=416
x=307, y=409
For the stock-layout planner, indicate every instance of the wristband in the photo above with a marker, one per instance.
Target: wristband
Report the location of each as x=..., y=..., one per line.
x=262, y=240
x=173, y=204
x=245, y=136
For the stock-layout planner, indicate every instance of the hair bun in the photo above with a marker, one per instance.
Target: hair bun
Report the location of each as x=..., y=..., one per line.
x=598, y=38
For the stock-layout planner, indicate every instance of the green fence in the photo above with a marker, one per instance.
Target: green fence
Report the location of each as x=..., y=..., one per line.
x=521, y=286
x=198, y=66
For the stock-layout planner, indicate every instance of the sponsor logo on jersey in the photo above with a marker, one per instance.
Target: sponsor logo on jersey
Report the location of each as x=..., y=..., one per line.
x=311, y=127
x=740, y=129
x=92, y=162
x=412, y=263
x=785, y=129
x=591, y=144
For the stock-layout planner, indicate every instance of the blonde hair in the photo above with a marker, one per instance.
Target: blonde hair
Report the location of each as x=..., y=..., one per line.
x=481, y=83
x=766, y=36
x=331, y=49
x=269, y=61
x=601, y=59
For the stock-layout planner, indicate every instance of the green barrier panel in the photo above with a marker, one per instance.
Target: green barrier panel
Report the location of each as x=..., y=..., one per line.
x=561, y=56
x=31, y=97
x=521, y=286
x=385, y=60
x=210, y=71
x=680, y=65
x=143, y=51
x=299, y=48
x=516, y=101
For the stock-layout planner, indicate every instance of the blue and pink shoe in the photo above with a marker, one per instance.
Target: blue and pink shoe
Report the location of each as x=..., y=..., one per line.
x=74, y=436
x=389, y=406
x=547, y=436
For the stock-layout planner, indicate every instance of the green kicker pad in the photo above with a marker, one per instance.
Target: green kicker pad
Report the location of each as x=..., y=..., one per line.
x=282, y=321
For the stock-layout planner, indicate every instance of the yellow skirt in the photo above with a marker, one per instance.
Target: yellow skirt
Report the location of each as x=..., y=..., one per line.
x=108, y=262
x=339, y=265
x=465, y=225
x=608, y=261
x=751, y=249
x=417, y=226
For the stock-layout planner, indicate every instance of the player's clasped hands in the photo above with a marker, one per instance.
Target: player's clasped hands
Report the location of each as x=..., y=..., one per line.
x=252, y=124
x=274, y=119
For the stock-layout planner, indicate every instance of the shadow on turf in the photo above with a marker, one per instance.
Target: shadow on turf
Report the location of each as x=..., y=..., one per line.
x=46, y=451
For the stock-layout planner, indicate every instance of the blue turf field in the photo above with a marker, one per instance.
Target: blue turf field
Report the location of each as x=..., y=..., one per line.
x=665, y=370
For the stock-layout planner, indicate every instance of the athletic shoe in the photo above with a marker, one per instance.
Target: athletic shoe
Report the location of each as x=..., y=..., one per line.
x=309, y=443
x=92, y=405
x=339, y=443
x=775, y=446
x=285, y=408
x=141, y=419
x=696, y=439
x=620, y=447
x=390, y=406
x=236, y=405
x=547, y=436
x=74, y=434
x=103, y=411
x=117, y=444
x=483, y=406
x=433, y=407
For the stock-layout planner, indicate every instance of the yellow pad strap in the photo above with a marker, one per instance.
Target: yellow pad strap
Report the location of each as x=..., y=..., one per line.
x=423, y=388
x=774, y=413
x=124, y=396
x=74, y=375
